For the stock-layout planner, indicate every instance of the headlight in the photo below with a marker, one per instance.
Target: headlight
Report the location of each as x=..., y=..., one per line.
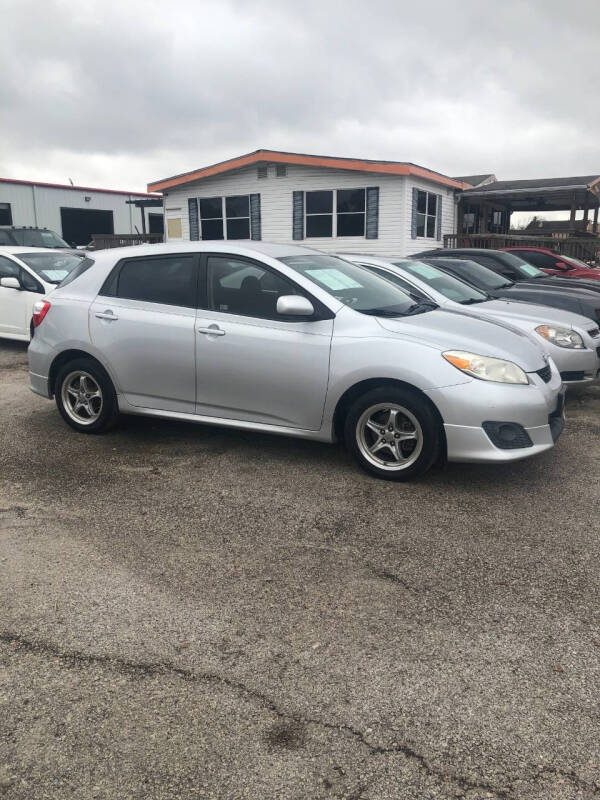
x=486, y=368
x=561, y=337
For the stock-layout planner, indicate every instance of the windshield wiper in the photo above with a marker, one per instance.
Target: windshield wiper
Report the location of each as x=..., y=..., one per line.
x=382, y=312
x=421, y=307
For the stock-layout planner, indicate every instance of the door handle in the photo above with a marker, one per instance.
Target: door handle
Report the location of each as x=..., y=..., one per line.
x=212, y=331
x=106, y=315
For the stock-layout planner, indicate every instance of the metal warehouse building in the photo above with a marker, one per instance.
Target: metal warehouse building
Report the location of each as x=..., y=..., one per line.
x=78, y=212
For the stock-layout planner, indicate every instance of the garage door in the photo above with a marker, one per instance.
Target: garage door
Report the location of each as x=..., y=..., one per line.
x=80, y=224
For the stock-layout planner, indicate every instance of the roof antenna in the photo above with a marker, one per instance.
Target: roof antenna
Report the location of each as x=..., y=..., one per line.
x=71, y=181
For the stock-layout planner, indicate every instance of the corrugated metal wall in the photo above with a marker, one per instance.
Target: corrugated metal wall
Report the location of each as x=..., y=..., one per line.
x=40, y=206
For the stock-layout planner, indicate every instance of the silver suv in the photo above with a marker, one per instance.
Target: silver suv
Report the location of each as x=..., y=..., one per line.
x=288, y=340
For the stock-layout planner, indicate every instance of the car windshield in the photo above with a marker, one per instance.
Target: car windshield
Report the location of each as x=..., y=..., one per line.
x=576, y=262
x=448, y=285
x=527, y=270
x=51, y=267
x=355, y=286
x=482, y=277
x=34, y=237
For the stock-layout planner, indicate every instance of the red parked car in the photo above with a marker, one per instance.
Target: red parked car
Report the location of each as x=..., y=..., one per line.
x=554, y=263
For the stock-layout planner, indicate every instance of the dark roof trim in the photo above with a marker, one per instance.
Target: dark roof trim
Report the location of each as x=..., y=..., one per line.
x=75, y=188
x=305, y=159
x=536, y=185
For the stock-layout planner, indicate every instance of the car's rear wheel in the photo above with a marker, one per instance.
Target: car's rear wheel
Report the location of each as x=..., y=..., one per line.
x=393, y=433
x=86, y=397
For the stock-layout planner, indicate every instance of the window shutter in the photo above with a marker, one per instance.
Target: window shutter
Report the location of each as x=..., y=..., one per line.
x=413, y=228
x=193, y=217
x=298, y=215
x=255, y=232
x=439, y=217
x=372, y=225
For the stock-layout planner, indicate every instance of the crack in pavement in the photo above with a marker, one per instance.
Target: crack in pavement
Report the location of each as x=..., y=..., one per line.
x=75, y=658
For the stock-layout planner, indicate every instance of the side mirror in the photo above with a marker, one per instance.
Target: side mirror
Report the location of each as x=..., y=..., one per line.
x=10, y=283
x=294, y=305
x=561, y=265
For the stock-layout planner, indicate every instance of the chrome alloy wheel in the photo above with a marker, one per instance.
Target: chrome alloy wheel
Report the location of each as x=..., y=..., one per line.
x=81, y=397
x=389, y=436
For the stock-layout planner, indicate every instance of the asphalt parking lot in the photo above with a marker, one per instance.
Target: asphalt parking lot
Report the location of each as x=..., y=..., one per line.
x=188, y=612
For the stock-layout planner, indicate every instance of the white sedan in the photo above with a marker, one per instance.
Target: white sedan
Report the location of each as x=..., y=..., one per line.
x=26, y=275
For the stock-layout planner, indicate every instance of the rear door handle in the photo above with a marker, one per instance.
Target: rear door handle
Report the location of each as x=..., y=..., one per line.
x=211, y=331
x=106, y=315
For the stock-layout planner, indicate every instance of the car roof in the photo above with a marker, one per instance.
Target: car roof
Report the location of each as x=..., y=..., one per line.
x=536, y=249
x=234, y=246
x=15, y=250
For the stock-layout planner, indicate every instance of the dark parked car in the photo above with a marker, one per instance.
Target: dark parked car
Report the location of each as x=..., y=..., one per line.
x=514, y=268
x=555, y=263
x=580, y=301
x=16, y=235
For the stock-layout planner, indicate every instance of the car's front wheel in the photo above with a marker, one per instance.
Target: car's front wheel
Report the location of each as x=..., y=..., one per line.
x=393, y=433
x=86, y=397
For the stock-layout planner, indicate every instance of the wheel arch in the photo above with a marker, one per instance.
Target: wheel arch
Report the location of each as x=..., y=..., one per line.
x=356, y=390
x=63, y=358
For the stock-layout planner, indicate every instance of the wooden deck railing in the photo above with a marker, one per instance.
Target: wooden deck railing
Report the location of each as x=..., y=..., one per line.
x=107, y=240
x=584, y=248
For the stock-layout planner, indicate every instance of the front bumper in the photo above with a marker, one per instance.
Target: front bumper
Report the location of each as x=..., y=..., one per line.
x=577, y=366
x=538, y=408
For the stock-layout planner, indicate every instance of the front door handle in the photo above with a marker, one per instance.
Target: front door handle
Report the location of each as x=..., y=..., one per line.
x=106, y=315
x=213, y=330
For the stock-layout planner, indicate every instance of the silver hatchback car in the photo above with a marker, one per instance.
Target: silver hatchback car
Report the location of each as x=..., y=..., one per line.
x=288, y=340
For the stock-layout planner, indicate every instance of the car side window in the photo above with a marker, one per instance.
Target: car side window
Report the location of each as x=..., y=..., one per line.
x=236, y=286
x=28, y=282
x=170, y=280
x=8, y=268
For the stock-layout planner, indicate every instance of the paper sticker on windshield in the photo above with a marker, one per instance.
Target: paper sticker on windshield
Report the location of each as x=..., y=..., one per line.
x=424, y=270
x=333, y=279
x=55, y=274
x=529, y=270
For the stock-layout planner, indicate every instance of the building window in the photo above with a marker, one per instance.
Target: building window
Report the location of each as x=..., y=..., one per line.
x=319, y=214
x=237, y=210
x=5, y=214
x=426, y=215
x=225, y=217
x=496, y=222
x=471, y=219
x=348, y=219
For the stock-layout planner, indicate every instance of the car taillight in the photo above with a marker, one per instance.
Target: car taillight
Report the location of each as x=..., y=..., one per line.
x=40, y=309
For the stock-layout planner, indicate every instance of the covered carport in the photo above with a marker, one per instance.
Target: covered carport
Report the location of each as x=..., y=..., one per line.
x=484, y=212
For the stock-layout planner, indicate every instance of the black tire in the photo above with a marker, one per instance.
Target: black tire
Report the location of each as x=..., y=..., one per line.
x=105, y=413
x=410, y=439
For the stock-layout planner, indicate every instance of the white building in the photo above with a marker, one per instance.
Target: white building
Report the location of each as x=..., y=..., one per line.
x=76, y=212
x=325, y=202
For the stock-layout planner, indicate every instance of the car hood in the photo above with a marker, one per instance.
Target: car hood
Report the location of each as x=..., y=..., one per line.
x=522, y=311
x=563, y=284
x=455, y=330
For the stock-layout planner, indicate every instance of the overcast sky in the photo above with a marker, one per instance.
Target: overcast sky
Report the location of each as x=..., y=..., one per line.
x=119, y=93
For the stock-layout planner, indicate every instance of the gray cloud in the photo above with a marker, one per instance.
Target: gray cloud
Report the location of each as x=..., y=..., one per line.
x=118, y=94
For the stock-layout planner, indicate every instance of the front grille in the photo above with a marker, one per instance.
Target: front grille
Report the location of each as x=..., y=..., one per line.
x=594, y=332
x=545, y=373
x=573, y=376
